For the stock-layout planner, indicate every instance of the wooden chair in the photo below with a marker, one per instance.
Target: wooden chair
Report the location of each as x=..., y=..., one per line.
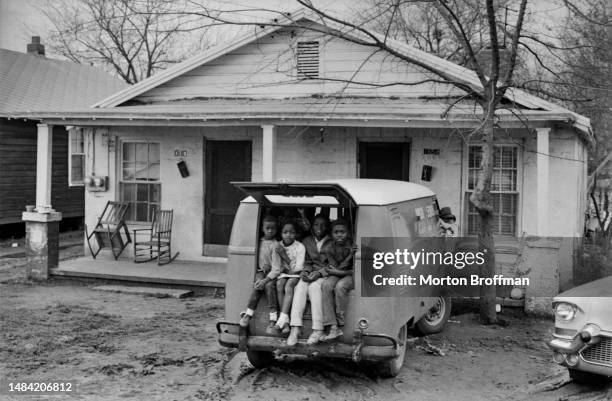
x=107, y=232
x=157, y=243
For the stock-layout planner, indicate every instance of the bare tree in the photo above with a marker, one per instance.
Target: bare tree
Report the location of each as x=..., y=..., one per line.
x=588, y=67
x=487, y=92
x=421, y=25
x=456, y=29
x=132, y=38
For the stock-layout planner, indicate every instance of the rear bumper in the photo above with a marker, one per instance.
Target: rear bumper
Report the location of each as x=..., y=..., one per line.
x=233, y=336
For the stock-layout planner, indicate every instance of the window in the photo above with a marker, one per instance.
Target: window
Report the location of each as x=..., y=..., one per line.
x=140, y=181
x=308, y=59
x=504, y=188
x=76, y=157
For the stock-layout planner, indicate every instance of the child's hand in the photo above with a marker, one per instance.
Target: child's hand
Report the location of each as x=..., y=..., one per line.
x=314, y=276
x=260, y=284
x=304, y=275
x=354, y=248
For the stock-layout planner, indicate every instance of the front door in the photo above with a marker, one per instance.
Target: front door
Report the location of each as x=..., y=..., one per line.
x=225, y=161
x=384, y=160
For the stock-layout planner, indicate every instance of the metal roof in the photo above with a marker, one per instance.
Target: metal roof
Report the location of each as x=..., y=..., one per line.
x=305, y=108
x=36, y=83
x=372, y=192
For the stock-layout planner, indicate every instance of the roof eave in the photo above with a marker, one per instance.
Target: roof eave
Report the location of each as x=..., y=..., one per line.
x=112, y=117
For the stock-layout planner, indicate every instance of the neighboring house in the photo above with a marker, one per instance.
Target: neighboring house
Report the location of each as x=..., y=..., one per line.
x=272, y=106
x=30, y=82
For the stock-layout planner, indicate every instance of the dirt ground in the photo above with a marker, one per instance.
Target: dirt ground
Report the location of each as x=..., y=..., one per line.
x=120, y=346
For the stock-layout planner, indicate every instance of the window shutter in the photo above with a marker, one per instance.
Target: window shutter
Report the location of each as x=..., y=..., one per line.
x=308, y=59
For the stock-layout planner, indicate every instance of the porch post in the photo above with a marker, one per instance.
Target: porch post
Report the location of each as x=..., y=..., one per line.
x=543, y=179
x=44, y=159
x=269, y=152
x=42, y=225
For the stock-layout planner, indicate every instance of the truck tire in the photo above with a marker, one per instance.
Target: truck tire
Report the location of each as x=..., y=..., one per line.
x=585, y=377
x=392, y=367
x=260, y=359
x=435, y=318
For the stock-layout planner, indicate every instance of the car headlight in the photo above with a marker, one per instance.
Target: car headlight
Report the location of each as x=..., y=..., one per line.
x=565, y=311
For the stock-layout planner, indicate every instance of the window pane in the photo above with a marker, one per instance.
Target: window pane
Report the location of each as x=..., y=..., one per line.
x=508, y=180
x=154, y=172
x=495, y=180
x=77, y=170
x=504, y=214
x=80, y=143
x=508, y=159
x=142, y=211
x=128, y=192
x=475, y=156
x=507, y=203
x=142, y=171
x=154, y=153
x=142, y=154
x=497, y=156
x=155, y=190
x=142, y=192
x=128, y=172
x=473, y=178
x=128, y=152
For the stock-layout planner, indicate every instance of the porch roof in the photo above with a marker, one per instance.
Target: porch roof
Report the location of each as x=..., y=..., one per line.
x=299, y=111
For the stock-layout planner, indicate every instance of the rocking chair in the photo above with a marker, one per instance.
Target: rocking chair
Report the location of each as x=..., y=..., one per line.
x=157, y=243
x=107, y=232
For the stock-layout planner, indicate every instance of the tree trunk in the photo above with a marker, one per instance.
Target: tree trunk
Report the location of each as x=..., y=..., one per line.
x=481, y=199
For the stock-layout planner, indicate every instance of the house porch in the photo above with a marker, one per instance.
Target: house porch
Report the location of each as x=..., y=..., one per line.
x=180, y=272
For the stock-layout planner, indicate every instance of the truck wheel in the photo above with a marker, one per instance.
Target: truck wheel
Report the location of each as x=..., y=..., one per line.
x=435, y=318
x=585, y=377
x=392, y=367
x=260, y=359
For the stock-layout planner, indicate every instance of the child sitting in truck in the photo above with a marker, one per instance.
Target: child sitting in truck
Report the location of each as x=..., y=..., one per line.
x=268, y=269
x=309, y=286
x=339, y=281
x=292, y=253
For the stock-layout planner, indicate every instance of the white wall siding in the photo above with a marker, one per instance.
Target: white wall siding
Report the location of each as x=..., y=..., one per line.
x=266, y=69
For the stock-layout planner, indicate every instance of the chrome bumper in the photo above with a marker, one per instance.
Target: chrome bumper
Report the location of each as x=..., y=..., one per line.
x=233, y=336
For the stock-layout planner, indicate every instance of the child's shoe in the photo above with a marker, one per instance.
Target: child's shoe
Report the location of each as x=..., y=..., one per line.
x=286, y=329
x=315, y=337
x=282, y=321
x=271, y=329
x=244, y=319
x=293, y=336
x=334, y=333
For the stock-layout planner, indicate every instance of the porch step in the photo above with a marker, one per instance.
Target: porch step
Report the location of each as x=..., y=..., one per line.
x=146, y=291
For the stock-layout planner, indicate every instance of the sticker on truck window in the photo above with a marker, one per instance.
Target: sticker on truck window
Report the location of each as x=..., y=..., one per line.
x=419, y=212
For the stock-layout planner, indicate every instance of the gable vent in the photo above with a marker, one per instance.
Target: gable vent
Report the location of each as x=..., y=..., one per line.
x=308, y=59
